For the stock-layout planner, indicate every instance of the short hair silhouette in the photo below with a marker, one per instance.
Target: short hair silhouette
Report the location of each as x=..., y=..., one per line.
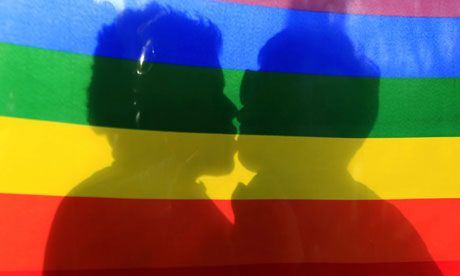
x=144, y=95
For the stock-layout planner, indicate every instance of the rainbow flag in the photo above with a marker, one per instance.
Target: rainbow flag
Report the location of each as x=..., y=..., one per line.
x=229, y=137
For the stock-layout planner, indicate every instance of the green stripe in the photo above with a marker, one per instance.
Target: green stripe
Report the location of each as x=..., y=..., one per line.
x=50, y=85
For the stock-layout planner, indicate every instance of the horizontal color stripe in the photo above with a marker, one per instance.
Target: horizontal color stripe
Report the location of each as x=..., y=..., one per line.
x=51, y=85
x=52, y=158
x=420, y=8
x=384, y=269
x=398, y=46
x=191, y=233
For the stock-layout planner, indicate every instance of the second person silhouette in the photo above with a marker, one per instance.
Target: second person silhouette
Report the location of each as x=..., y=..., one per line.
x=302, y=226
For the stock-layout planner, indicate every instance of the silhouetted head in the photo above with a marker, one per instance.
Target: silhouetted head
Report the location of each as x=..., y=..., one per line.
x=311, y=105
x=149, y=90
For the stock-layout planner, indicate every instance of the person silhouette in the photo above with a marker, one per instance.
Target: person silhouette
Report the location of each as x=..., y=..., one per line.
x=150, y=227
x=312, y=236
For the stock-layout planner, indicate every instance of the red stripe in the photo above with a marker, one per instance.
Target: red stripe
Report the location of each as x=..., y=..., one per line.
x=393, y=269
x=91, y=233
x=418, y=8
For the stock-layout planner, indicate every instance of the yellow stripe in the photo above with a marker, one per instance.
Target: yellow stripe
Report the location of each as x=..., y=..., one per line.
x=47, y=158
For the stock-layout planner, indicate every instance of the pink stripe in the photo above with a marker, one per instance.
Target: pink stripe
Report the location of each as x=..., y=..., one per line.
x=414, y=8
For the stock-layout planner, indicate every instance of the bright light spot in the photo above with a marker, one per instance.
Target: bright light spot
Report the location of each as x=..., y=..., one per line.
x=142, y=57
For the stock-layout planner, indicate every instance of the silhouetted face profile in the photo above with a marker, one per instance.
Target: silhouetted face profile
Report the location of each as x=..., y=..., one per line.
x=156, y=96
x=309, y=105
x=314, y=106
x=162, y=118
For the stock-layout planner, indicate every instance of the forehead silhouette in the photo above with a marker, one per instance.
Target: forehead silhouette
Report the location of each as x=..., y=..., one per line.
x=147, y=93
x=306, y=104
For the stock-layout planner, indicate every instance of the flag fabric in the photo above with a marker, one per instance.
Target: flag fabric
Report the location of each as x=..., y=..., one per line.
x=233, y=137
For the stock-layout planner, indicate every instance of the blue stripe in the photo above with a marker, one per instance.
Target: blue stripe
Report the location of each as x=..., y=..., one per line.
x=398, y=46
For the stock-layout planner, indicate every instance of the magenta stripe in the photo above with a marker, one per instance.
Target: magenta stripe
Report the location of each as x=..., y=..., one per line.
x=412, y=8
